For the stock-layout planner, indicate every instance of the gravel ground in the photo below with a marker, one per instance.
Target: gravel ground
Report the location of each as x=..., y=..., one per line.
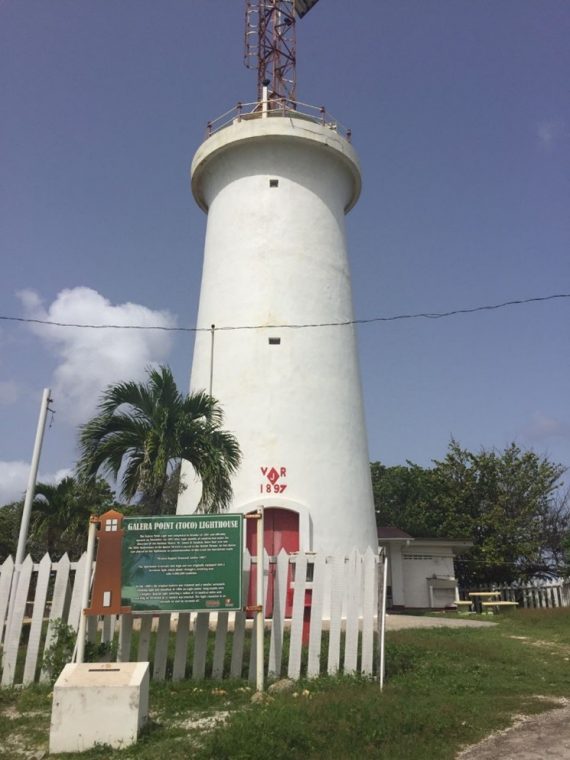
x=531, y=737
x=400, y=622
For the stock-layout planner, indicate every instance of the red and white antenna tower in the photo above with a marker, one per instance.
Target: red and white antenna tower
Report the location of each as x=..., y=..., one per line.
x=270, y=46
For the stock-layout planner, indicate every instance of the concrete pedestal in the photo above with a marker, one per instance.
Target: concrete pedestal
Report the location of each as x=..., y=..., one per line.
x=99, y=703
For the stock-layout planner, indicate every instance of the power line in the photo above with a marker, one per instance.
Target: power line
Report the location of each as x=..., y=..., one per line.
x=346, y=323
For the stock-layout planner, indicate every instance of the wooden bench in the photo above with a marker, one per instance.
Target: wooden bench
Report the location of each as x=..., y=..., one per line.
x=499, y=604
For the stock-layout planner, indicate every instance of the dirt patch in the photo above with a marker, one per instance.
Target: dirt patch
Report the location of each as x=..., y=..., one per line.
x=531, y=737
x=16, y=749
x=12, y=713
x=205, y=723
x=552, y=646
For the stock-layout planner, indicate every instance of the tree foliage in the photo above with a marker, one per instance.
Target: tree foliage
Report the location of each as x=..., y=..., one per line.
x=61, y=512
x=506, y=502
x=143, y=430
x=59, y=518
x=10, y=516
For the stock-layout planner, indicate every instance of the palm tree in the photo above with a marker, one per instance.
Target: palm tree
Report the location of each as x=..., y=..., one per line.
x=143, y=429
x=60, y=516
x=51, y=512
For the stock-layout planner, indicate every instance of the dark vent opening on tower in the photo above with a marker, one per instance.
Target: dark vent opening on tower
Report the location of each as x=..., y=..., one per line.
x=273, y=183
x=274, y=341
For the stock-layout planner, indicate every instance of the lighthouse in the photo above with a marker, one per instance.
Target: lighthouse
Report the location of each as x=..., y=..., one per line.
x=276, y=342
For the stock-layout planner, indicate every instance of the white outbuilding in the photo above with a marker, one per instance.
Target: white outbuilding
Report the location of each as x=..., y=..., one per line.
x=421, y=571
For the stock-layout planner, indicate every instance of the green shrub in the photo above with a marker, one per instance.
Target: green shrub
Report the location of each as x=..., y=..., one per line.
x=60, y=651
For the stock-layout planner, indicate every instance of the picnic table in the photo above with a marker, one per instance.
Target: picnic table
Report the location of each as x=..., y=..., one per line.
x=480, y=597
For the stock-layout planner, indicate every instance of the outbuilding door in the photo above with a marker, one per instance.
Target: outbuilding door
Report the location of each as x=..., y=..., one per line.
x=281, y=531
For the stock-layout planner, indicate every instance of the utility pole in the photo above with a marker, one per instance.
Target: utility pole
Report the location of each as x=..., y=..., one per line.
x=26, y=512
x=31, y=490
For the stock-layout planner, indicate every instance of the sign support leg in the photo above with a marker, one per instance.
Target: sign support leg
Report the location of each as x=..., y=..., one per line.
x=259, y=615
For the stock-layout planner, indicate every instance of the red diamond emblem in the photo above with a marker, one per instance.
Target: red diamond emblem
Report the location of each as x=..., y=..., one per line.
x=273, y=476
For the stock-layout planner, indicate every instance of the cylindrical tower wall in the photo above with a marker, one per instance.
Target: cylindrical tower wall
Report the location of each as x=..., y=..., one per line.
x=275, y=254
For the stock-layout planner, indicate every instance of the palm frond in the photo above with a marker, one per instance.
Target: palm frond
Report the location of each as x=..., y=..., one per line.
x=141, y=428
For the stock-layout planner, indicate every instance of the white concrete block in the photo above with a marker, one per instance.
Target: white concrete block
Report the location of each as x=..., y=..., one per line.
x=98, y=703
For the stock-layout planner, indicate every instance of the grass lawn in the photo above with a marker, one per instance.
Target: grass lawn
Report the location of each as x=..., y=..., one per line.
x=445, y=688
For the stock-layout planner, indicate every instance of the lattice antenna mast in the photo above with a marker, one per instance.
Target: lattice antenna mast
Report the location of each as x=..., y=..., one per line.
x=270, y=47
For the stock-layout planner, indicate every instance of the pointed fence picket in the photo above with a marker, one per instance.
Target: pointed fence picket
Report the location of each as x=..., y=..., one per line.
x=75, y=601
x=15, y=622
x=296, y=637
x=278, y=620
x=59, y=602
x=200, y=645
x=334, y=610
x=144, y=638
x=338, y=572
x=320, y=588
x=125, y=638
x=34, y=639
x=181, y=646
x=352, y=620
x=220, y=645
x=6, y=576
x=236, y=664
x=161, y=647
x=369, y=598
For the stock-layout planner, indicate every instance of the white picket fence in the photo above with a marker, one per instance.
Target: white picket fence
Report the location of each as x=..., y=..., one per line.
x=343, y=629
x=530, y=595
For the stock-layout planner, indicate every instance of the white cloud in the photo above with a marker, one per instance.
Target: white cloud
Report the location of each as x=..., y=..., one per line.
x=9, y=392
x=56, y=477
x=550, y=131
x=14, y=480
x=543, y=428
x=91, y=359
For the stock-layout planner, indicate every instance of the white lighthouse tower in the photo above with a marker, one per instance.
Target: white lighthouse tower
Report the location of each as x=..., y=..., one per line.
x=276, y=181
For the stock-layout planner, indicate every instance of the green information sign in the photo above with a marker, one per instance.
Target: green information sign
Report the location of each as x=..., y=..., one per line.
x=182, y=563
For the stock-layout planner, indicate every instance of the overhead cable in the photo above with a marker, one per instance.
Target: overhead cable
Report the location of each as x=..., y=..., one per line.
x=344, y=323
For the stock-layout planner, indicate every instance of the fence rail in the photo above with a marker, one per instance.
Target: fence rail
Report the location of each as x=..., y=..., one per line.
x=338, y=630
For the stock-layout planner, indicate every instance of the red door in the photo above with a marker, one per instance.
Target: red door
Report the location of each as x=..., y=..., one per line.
x=281, y=531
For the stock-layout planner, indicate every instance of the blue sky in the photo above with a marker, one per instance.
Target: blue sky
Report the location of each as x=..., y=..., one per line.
x=461, y=118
